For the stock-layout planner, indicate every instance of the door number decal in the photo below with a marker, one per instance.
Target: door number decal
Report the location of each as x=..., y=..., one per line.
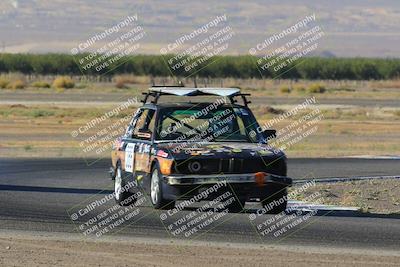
x=129, y=157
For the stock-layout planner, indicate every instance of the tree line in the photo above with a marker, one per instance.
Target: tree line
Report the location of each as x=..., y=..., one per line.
x=215, y=67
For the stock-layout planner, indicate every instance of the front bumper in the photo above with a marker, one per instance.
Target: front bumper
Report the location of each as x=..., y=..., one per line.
x=259, y=178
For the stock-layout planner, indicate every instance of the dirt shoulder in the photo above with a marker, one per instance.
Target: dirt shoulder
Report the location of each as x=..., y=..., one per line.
x=375, y=196
x=33, y=249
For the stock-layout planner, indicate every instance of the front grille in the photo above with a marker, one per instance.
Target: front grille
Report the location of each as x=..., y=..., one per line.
x=232, y=165
x=208, y=166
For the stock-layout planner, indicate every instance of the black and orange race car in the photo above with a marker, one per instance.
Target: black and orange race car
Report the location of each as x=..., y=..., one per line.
x=173, y=151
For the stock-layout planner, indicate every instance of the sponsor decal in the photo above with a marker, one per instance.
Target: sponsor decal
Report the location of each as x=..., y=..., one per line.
x=144, y=135
x=264, y=152
x=162, y=153
x=214, y=146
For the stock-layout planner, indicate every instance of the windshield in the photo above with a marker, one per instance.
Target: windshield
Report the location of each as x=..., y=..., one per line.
x=213, y=125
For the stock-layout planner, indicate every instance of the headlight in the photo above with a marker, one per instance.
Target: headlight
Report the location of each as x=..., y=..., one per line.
x=194, y=166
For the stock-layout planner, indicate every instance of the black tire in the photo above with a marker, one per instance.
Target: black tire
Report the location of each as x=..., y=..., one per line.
x=275, y=199
x=156, y=194
x=122, y=197
x=236, y=206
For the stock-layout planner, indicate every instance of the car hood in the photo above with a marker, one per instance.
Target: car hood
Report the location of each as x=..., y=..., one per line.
x=180, y=150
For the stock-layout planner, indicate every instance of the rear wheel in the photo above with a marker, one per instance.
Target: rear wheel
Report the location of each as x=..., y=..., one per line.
x=275, y=200
x=122, y=197
x=156, y=193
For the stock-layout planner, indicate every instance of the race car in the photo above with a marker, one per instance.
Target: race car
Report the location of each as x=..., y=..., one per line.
x=173, y=151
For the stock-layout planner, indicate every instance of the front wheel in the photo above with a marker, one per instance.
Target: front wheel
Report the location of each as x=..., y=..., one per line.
x=156, y=193
x=122, y=196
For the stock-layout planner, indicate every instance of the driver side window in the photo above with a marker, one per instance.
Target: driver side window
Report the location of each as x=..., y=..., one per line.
x=144, y=126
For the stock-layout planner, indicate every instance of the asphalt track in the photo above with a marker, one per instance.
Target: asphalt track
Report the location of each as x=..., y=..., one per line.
x=41, y=195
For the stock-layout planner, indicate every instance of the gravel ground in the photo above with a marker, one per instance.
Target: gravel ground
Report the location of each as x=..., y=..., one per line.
x=32, y=249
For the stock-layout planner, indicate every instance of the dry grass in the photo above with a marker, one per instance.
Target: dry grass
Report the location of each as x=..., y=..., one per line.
x=385, y=84
x=285, y=90
x=316, y=88
x=64, y=82
x=257, y=87
x=122, y=80
x=40, y=84
x=12, y=81
x=18, y=84
x=4, y=82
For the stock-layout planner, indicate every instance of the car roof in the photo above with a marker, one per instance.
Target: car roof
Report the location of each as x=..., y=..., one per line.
x=186, y=105
x=187, y=91
x=152, y=97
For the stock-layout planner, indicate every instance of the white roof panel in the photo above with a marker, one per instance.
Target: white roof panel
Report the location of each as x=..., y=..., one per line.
x=221, y=91
x=196, y=91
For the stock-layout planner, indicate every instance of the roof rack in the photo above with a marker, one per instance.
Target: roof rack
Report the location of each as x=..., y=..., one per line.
x=156, y=91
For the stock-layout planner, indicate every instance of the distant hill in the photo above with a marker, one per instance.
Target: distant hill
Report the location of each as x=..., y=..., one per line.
x=353, y=28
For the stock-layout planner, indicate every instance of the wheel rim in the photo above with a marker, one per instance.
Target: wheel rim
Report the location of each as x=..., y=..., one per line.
x=154, y=187
x=118, y=184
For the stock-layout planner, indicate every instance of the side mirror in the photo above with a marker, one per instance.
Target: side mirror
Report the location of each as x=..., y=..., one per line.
x=144, y=133
x=269, y=134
